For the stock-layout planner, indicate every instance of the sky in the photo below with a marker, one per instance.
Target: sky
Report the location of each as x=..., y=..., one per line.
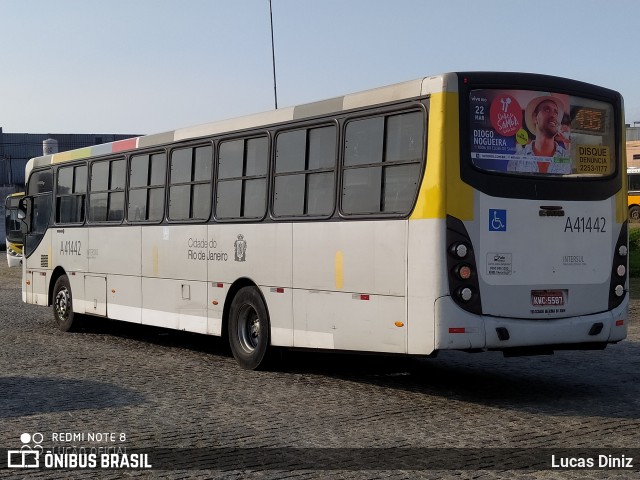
x=148, y=66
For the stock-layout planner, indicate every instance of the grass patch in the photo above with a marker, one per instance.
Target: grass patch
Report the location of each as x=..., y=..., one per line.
x=634, y=288
x=634, y=250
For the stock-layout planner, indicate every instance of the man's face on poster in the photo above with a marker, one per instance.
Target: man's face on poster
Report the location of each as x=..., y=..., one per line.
x=546, y=118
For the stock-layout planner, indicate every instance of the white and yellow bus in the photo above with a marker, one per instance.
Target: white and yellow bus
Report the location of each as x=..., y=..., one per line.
x=408, y=219
x=13, y=230
x=633, y=182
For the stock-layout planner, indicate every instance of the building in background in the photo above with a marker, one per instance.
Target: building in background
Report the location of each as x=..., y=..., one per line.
x=633, y=145
x=17, y=148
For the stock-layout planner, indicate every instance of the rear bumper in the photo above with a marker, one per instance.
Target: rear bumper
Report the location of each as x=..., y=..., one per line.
x=460, y=330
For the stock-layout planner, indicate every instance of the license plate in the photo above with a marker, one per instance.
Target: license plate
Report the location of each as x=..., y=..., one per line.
x=544, y=298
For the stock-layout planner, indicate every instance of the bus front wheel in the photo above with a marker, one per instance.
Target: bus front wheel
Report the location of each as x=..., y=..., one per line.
x=634, y=214
x=63, y=304
x=249, y=328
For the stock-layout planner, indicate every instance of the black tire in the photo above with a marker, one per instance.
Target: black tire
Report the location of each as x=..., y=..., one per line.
x=249, y=329
x=63, y=305
x=634, y=214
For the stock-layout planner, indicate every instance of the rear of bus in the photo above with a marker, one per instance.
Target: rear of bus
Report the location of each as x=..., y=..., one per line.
x=537, y=234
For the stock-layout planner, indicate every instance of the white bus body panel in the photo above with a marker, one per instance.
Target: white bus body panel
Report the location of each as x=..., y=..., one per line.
x=95, y=295
x=480, y=330
x=427, y=269
x=537, y=253
x=38, y=285
x=36, y=273
x=124, y=297
x=350, y=285
x=120, y=262
x=174, y=292
x=260, y=253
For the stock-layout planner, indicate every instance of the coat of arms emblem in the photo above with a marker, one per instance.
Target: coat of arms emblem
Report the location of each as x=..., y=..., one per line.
x=241, y=248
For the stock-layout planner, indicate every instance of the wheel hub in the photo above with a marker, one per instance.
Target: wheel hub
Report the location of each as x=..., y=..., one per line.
x=249, y=328
x=62, y=303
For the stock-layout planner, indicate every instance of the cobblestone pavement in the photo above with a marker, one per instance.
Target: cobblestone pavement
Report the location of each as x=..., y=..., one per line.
x=182, y=399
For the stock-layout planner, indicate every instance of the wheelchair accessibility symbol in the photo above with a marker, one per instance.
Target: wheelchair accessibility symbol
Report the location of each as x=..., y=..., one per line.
x=497, y=220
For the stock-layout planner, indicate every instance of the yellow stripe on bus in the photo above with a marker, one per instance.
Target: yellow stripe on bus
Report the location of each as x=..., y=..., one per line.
x=71, y=155
x=339, y=265
x=622, y=200
x=442, y=172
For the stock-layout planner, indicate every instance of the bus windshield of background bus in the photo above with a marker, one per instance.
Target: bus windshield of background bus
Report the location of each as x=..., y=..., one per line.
x=541, y=133
x=12, y=223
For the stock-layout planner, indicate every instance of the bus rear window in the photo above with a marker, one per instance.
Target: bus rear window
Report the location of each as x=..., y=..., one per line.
x=541, y=133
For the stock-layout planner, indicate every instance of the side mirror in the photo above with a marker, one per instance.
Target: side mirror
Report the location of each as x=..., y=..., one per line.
x=23, y=214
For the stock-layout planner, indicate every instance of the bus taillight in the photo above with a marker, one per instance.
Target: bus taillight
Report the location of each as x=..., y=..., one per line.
x=464, y=272
x=460, y=250
x=461, y=264
x=619, y=269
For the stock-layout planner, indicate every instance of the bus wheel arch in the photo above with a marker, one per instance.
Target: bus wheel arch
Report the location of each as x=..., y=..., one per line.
x=247, y=326
x=57, y=273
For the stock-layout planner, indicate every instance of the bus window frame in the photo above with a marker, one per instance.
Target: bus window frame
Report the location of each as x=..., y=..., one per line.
x=267, y=133
x=194, y=144
x=90, y=163
x=421, y=105
x=333, y=121
x=630, y=190
x=165, y=186
x=55, y=195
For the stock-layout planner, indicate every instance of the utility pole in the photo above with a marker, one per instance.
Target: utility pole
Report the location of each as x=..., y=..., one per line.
x=273, y=59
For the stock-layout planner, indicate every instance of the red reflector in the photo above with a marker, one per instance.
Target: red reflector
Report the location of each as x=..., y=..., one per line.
x=464, y=272
x=219, y=285
x=280, y=290
x=619, y=323
x=364, y=297
x=456, y=330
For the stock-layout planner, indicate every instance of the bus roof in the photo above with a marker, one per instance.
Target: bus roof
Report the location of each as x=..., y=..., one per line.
x=421, y=87
x=406, y=90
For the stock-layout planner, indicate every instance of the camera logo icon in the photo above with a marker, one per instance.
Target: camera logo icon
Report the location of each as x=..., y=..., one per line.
x=28, y=456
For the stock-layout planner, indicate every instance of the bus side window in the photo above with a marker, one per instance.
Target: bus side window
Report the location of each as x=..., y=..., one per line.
x=71, y=190
x=634, y=182
x=191, y=171
x=382, y=163
x=106, y=199
x=241, y=187
x=147, y=178
x=304, y=172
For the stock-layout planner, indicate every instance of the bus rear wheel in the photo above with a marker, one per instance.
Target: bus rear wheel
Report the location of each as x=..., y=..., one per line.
x=634, y=214
x=63, y=305
x=249, y=328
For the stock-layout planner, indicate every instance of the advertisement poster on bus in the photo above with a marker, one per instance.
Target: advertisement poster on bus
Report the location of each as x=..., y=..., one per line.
x=524, y=131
